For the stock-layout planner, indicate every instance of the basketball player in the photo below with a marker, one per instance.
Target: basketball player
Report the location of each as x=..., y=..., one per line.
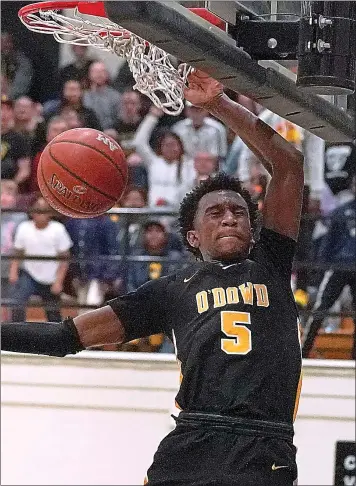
x=236, y=336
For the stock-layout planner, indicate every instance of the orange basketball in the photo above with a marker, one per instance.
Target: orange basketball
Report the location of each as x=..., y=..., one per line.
x=82, y=173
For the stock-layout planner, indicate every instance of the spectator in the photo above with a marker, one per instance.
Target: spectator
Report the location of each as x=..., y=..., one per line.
x=9, y=223
x=201, y=133
x=100, y=97
x=340, y=167
x=138, y=175
x=128, y=119
x=72, y=99
x=339, y=247
x=55, y=126
x=16, y=67
x=39, y=237
x=72, y=118
x=124, y=79
x=15, y=150
x=135, y=198
x=78, y=69
x=205, y=165
x=155, y=243
x=91, y=277
x=26, y=118
x=170, y=172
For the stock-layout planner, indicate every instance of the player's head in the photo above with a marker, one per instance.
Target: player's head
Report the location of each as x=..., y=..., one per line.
x=218, y=219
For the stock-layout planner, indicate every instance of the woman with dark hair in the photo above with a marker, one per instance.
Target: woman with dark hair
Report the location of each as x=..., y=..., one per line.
x=72, y=98
x=170, y=172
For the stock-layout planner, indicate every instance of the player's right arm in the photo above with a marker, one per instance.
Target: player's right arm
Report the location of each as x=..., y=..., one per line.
x=128, y=317
x=283, y=201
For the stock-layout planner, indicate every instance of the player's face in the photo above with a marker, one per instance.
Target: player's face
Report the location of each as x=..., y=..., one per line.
x=222, y=227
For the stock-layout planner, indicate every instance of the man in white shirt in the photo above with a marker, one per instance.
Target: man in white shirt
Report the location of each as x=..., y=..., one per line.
x=201, y=133
x=41, y=236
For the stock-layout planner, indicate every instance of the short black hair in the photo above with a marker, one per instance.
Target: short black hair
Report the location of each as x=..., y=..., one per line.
x=218, y=182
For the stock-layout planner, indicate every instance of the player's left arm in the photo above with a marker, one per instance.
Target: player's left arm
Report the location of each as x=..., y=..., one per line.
x=283, y=201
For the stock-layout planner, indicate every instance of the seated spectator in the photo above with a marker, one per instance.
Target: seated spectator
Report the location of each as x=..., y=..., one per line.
x=72, y=118
x=72, y=98
x=16, y=67
x=170, y=171
x=128, y=119
x=9, y=224
x=134, y=198
x=155, y=243
x=205, y=165
x=39, y=237
x=15, y=150
x=78, y=69
x=138, y=175
x=200, y=133
x=91, y=277
x=55, y=126
x=26, y=118
x=100, y=97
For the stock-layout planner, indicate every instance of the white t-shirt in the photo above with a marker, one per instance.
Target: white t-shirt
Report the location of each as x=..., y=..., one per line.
x=49, y=241
x=210, y=137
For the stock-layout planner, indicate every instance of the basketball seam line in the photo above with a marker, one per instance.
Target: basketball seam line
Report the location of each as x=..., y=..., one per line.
x=96, y=150
x=61, y=202
x=80, y=179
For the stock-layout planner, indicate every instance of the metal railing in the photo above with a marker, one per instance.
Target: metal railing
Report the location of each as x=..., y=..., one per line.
x=129, y=216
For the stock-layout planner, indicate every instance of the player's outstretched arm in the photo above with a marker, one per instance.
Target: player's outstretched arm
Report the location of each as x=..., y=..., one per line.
x=282, y=160
x=94, y=328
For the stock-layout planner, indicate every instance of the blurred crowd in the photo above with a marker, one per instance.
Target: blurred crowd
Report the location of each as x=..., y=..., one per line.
x=167, y=156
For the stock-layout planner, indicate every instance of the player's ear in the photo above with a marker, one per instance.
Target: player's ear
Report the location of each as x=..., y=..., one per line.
x=193, y=238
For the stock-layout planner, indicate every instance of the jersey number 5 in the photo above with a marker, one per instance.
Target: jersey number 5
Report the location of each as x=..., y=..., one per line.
x=233, y=325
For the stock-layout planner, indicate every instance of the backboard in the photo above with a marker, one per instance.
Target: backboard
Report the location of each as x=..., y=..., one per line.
x=193, y=40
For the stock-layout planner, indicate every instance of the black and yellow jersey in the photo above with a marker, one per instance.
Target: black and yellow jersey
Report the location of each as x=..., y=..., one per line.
x=235, y=329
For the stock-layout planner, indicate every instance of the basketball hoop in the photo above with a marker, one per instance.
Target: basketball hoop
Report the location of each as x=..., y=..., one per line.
x=151, y=67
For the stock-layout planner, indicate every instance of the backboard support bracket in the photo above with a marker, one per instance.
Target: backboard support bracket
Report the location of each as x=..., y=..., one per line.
x=193, y=40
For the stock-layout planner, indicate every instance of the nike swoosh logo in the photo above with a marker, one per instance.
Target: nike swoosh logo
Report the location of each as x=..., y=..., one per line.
x=187, y=279
x=224, y=268
x=275, y=468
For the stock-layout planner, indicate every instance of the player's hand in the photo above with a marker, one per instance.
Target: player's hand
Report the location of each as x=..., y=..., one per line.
x=56, y=288
x=202, y=90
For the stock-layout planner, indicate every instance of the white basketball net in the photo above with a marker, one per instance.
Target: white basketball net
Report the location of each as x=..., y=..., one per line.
x=151, y=67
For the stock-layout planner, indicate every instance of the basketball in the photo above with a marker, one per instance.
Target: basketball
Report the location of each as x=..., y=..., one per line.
x=82, y=173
